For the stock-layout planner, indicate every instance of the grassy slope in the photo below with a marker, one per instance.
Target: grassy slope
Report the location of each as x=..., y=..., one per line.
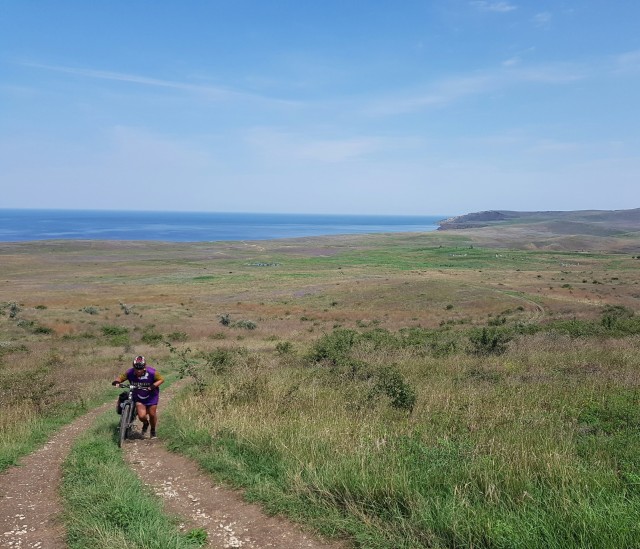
x=534, y=445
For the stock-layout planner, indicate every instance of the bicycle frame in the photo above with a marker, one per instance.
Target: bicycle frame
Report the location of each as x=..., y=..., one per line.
x=128, y=416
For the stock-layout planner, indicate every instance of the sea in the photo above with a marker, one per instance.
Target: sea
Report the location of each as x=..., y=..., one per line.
x=19, y=225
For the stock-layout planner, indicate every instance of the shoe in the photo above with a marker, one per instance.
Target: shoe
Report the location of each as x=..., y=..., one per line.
x=145, y=427
x=153, y=433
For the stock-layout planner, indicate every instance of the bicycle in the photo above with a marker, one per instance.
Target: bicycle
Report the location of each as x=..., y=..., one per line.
x=128, y=413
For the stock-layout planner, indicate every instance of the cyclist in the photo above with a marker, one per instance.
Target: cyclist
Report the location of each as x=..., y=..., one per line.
x=146, y=396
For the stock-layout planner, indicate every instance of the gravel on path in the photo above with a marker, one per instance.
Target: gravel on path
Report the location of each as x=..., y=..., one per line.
x=30, y=505
x=189, y=492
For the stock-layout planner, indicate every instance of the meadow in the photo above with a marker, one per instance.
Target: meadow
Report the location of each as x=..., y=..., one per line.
x=452, y=389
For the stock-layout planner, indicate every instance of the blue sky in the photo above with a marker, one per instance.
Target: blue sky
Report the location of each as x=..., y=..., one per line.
x=340, y=106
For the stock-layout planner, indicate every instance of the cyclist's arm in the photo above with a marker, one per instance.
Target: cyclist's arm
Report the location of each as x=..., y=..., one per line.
x=159, y=380
x=121, y=378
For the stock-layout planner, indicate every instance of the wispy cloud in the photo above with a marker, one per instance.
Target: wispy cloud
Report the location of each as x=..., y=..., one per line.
x=213, y=93
x=500, y=7
x=511, y=62
x=447, y=91
x=627, y=62
x=275, y=145
x=542, y=19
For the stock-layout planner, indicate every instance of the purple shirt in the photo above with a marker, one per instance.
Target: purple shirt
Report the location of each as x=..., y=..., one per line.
x=148, y=397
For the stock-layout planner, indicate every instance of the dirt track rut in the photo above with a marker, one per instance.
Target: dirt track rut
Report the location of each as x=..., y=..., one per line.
x=228, y=520
x=30, y=505
x=31, y=508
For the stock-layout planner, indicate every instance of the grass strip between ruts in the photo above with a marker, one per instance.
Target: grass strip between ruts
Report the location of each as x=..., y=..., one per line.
x=106, y=505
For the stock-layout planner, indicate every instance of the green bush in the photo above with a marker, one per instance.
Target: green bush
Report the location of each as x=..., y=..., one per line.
x=391, y=382
x=151, y=337
x=110, y=330
x=488, y=341
x=284, y=347
x=246, y=324
x=334, y=347
x=219, y=361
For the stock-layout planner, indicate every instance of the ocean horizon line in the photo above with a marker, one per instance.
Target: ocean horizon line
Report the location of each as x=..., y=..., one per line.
x=27, y=224
x=223, y=212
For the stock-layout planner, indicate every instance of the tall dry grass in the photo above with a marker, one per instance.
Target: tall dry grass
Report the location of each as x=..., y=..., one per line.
x=523, y=449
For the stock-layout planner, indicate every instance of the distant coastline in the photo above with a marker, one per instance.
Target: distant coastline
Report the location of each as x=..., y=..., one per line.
x=20, y=225
x=619, y=219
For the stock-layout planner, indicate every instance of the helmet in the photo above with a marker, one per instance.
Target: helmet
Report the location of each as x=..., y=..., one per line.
x=139, y=362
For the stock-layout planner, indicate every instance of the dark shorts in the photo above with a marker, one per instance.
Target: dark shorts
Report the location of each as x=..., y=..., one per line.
x=152, y=400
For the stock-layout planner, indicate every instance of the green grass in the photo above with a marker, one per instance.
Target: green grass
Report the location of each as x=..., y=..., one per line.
x=32, y=431
x=394, y=439
x=535, y=448
x=107, y=507
x=405, y=257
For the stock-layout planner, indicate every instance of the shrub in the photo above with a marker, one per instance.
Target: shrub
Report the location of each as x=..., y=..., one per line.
x=284, y=347
x=151, y=337
x=381, y=339
x=488, y=341
x=613, y=314
x=391, y=382
x=118, y=335
x=177, y=336
x=90, y=310
x=110, y=330
x=219, y=361
x=443, y=344
x=498, y=321
x=246, y=324
x=333, y=347
x=13, y=310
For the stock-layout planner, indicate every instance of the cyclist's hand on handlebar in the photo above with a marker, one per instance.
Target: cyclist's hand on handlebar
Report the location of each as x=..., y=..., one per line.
x=115, y=383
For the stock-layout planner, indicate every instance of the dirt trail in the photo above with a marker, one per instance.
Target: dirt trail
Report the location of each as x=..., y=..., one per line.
x=190, y=493
x=30, y=505
x=228, y=520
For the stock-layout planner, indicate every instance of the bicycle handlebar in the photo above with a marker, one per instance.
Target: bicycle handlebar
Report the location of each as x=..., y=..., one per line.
x=130, y=386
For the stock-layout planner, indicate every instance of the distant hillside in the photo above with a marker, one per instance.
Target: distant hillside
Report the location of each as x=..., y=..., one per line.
x=614, y=220
x=613, y=230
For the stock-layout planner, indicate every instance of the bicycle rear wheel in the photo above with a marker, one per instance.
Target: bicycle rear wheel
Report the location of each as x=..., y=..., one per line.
x=125, y=418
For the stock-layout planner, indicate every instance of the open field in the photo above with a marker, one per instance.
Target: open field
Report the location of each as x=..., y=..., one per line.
x=453, y=389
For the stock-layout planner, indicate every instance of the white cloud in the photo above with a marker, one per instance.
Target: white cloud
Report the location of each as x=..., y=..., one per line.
x=542, y=19
x=449, y=90
x=627, y=62
x=500, y=7
x=213, y=93
x=275, y=144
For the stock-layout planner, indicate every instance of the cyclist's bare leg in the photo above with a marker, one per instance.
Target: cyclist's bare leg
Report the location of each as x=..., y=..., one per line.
x=153, y=416
x=142, y=412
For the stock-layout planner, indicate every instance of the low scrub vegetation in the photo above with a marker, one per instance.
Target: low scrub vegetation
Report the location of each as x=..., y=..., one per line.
x=399, y=391
x=380, y=436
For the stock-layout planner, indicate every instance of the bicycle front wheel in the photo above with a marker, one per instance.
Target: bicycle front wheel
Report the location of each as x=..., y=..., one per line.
x=124, y=422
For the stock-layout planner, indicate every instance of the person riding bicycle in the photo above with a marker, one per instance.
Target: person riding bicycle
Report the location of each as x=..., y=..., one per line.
x=146, y=396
